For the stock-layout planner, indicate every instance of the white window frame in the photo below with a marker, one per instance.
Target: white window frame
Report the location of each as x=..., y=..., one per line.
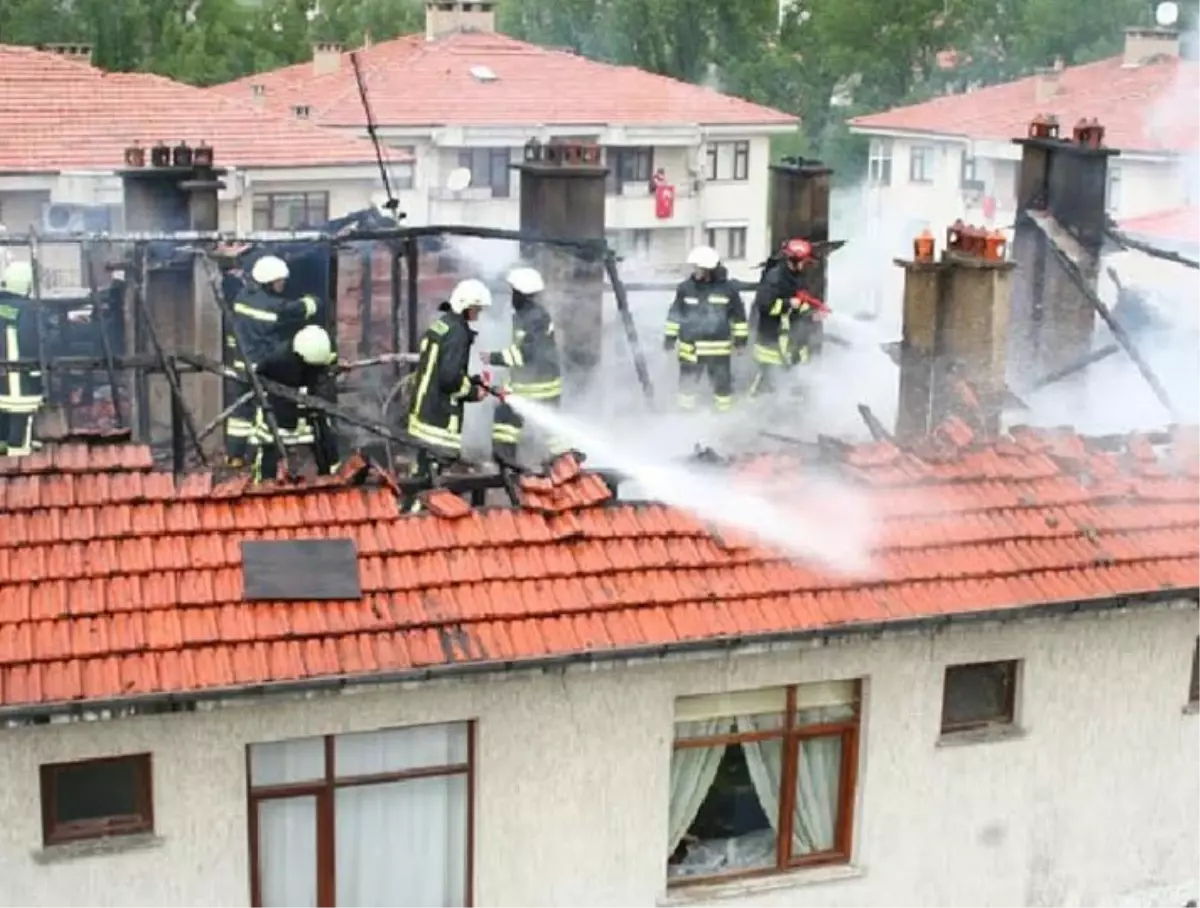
x=925, y=156
x=727, y=162
x=730, y=240
x=879, y=162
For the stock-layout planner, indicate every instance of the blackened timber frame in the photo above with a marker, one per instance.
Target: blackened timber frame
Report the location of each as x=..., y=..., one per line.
x=324, y=789
x=793, y=734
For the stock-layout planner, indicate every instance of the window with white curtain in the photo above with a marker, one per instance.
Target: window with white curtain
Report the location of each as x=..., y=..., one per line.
x=762, y=781
x=365, y=819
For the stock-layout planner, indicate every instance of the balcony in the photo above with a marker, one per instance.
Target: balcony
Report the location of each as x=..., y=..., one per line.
x=634, y=209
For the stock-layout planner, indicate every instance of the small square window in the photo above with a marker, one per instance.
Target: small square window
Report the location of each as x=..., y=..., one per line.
x=978, y=695
x=92, y=799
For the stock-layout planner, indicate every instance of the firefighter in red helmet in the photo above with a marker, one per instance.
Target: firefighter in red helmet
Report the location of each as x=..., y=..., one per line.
x=786, y=314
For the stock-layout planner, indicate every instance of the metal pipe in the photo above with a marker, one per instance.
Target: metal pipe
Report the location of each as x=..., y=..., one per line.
x=338, y=683
x=225, y=414
x=639, y=358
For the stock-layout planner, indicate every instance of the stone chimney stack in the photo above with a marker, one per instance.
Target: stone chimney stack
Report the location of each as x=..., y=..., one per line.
x=443, y=17
x=1048, y=79
x=326, y=58
x=1144, y=45
x=81, y=53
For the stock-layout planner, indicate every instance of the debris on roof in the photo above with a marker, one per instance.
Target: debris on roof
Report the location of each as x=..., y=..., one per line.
x=116, y=581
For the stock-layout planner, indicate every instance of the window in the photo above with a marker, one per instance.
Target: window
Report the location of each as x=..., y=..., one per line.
x=969, y=177
x=762, y=781
x=727, y=161
x=1112, y=192
x=978, y=695
x=402, y=174
x=630, y=243
x=730, y=242
x=92, y=799
x=920, y=164
x=879, y=162
x=290, y=210
x=1194, y=686
x=374, y=818
x=489, y=168
x=628, y=165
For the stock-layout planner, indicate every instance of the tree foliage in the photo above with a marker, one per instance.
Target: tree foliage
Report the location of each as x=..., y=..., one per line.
x=869, y=54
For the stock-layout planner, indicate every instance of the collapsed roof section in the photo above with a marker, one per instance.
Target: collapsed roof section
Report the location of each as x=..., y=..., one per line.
x=120, y=585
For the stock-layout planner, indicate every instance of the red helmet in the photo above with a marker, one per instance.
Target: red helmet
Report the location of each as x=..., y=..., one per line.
x=797, y=250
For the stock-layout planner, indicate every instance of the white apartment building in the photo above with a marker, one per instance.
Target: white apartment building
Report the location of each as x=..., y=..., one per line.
x=461, y=95
x=954, y=157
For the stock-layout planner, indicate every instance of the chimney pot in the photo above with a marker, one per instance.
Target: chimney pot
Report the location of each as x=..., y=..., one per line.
x=1148, y=45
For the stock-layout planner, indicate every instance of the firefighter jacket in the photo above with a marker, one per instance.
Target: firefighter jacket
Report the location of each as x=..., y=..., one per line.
x=707, y=318
x=286, y=368
x=443, y=383
x=777, y=321
x=535, y=372
x=20, y=392
x=263, y=321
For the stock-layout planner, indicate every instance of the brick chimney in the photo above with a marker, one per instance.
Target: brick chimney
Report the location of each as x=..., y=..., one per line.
x=81, y=53
x=1145, y=45
x=443, y=17
x=326, y=58
x=1048, y=78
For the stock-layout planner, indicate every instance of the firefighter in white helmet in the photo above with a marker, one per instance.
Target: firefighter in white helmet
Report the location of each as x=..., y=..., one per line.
x=706, y=322
x=264, y=320
x=305, y=363
x=20, y=390
x=443, y=380
x=532, y=359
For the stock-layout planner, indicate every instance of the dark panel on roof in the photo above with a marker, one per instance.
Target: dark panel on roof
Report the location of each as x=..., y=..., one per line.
x=300, y=569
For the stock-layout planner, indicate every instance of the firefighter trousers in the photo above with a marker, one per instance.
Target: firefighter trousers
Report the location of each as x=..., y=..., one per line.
x=508, y=428
x=309, y=431
x=239, y=425
x=720, y=375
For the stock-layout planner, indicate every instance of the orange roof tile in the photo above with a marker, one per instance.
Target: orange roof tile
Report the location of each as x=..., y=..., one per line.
x=1178, y=225
x=117, y=582
x=1150, y=108
x=61, y=114
x=414, y=82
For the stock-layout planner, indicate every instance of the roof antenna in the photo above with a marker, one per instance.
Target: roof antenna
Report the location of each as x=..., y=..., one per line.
x=392, y=204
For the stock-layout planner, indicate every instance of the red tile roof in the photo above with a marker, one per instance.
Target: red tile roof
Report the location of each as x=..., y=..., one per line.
x=1150, y=108
x=415, y=82
x=61, y=114
x=1179, y=225
x=115, y=582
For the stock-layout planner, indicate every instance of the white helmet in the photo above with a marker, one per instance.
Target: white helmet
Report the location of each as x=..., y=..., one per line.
x=470, y=294
x=268, y=270
x=704, y=257
x=18, y=278
x=526, y=280
x=312, y=344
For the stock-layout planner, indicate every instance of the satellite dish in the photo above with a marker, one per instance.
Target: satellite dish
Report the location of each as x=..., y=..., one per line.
x=459, y=179
x=1167, y=14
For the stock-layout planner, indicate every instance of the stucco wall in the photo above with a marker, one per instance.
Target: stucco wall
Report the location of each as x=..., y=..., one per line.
x=1096, y=803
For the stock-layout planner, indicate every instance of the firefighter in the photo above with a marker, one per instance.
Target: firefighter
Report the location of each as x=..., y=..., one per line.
x=535, y=372
x=21, y=391
x=706, y=322
x=264, y=320
x=303, y=363
x=443, y=382
x=786, y=315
